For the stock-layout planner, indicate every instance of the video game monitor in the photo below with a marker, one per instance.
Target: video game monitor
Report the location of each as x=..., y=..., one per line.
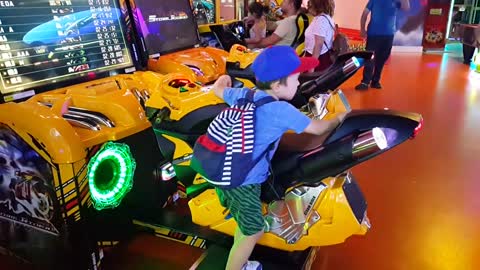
x=165, y=26
x=46, y=44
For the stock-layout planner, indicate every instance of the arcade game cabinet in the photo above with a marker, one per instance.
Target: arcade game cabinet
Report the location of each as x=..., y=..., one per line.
x=75, y=162
x=168, y=36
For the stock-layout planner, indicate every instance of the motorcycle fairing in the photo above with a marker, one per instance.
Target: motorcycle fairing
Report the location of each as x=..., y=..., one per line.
x=330, y=217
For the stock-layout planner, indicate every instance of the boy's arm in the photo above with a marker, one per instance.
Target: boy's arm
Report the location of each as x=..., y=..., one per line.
x=321, y=127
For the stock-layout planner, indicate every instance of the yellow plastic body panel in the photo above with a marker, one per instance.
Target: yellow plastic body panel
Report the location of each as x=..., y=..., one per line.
x=337, y=221
x=109, y=96
x=59, y=139
x=181, y=102
x=211, y=61
x=246, y=83
x=241, y=55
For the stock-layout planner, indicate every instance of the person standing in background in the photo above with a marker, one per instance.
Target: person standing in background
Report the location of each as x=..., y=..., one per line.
x=379, y=34
x=320, y=34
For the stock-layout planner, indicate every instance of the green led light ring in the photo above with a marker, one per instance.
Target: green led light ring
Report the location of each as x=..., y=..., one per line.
x=116, y=161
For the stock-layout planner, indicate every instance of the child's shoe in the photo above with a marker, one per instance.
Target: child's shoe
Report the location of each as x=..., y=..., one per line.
x=252, y=265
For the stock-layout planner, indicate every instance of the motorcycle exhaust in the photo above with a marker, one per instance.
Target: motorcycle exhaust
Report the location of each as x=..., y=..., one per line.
x=334, y=158
x=351, y=64
x=369, y=142
x=327, y=78
x=81, y=121
x=98, y=118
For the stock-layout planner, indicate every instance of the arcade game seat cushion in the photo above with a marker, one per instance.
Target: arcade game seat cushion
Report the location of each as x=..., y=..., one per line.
x=301, y=24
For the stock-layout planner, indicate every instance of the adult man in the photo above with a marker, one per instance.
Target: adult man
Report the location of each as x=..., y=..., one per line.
x=381, y=30
x=286, y=30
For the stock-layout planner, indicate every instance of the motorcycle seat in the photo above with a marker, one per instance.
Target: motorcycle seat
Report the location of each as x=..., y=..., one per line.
x=291, y=149
x=192, y=125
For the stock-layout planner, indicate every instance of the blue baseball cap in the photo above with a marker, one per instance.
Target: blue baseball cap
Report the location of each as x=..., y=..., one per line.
x=280, y=61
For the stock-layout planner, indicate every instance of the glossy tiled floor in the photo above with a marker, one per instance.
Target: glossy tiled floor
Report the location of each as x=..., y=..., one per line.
x=423, y=196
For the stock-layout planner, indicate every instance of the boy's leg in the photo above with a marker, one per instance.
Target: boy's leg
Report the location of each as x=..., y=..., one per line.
x=242, y=249
x=246, y=208
x=381, y=57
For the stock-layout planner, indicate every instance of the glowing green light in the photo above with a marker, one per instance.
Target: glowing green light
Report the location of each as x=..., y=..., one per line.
x=110, y=175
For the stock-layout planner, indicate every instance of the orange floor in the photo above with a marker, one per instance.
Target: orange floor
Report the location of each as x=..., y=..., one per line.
x=423, y=196
x=424, y=201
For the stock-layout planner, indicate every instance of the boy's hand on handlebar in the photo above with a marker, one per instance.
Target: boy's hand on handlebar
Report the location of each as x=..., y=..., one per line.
x=335, y=122
x=220, y=85
x=341, y=116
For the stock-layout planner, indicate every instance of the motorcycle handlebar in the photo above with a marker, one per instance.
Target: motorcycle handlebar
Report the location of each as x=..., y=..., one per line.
x=324, y=80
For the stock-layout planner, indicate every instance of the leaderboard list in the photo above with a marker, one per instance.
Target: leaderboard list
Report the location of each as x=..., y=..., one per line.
x=47, y=41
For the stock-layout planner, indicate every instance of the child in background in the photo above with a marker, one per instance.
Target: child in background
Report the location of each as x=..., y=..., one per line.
x=259, y=29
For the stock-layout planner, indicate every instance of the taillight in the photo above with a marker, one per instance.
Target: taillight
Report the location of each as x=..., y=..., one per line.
x=418, y=128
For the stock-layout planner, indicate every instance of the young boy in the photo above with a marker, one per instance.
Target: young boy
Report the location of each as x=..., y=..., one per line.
x=277, y=70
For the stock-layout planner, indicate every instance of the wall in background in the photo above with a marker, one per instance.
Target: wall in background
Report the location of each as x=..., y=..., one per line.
x=348, y=13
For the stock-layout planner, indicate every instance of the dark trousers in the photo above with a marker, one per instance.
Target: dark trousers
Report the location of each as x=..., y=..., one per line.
x=382, y=47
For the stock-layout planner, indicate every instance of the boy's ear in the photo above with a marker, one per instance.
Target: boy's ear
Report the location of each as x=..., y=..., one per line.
x=275, y=85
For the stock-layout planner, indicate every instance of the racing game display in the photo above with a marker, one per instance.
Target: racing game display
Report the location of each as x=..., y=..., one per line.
x=204, y=11
x=49, y=41
x=166, y=26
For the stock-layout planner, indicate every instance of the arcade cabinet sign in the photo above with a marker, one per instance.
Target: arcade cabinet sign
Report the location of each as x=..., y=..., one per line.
x=48, y=41
x=436, y=21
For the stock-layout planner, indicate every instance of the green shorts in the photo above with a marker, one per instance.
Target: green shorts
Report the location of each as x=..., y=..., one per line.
x=245, y=207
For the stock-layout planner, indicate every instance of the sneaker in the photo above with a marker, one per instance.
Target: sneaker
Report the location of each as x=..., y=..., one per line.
x=376, y=85
x=252, y=265
x=361, y=86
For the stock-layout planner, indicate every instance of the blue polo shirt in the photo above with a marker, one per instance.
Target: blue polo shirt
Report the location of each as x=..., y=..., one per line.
x=271, y=122
x=382, y=18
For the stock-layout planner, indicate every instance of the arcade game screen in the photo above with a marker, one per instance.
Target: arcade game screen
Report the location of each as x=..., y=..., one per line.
x=204, y=11
x=166, y=25
x=50, y=41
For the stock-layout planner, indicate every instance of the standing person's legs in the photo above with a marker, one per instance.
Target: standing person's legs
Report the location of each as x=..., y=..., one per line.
x=368, y=68
x=381, y=56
